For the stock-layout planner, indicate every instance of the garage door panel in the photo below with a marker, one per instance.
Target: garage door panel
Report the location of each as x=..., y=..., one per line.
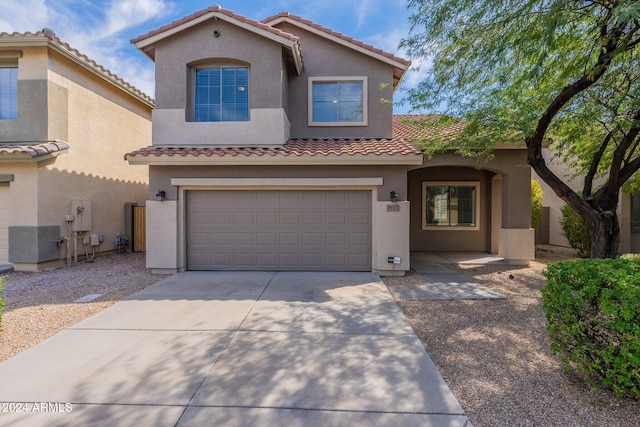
x=267, y=198
x=279, y=230
x=267, y=238
x=290, y=218
x=359, y=198
x=359, y=218
x=336, y=218
x=336, y=239
x=290, y=239
x=243, y=199
x=312, y=218
x=222, y=218
x=266, y=218
x=290, y=198
x=312, y=239
x=338, y=198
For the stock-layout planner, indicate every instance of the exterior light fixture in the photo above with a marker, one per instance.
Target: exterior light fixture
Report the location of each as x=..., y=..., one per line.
x=160, y=196
x=393, y=196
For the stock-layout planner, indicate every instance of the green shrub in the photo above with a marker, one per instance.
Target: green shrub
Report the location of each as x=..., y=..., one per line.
x=2, y=282
x=576, y=230
x=593, y=319
x=536, y=204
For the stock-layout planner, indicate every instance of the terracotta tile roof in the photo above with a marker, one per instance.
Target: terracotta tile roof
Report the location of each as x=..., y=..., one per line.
x=216, y=9
x=412, y=127
x=294, y=147
x=336, y=34
x=47, y=35
x=32, y=150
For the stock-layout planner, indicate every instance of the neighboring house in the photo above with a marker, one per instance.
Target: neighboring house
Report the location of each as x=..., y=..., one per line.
x=273, y=151
x=65, y=123
x=628, y=210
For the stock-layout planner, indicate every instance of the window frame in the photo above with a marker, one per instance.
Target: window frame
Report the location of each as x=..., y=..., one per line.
x=339, y=79
x=193, y=106
x=476, y=201
x=13, y=107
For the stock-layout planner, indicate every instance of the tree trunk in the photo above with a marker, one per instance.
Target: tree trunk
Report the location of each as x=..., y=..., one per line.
x=605, y=235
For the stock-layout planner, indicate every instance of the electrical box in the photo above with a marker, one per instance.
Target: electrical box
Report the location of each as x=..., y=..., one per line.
x=82, y=211
x=94, y=240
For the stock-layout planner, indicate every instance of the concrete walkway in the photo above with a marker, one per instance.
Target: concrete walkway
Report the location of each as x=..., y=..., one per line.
x=442, y=283
x=231, y=348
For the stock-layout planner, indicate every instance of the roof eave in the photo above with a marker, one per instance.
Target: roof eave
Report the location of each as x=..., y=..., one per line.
x=400, y=68
x=147, y=45
x=278, y=160
x=27, y=158
x=56, y=45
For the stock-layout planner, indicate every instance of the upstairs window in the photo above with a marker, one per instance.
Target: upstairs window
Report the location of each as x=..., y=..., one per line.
x=221, y=94
x=453, y=205
x=338, y=101
x=8, y=93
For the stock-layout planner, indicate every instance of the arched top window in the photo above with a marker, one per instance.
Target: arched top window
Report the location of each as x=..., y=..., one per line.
x=220, y=92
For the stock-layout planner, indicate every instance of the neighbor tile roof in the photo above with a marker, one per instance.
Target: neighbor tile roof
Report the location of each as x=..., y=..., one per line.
x=49, y=37
x=336, y=34
x=293, y=147
x=32, y=150
x=413, y=127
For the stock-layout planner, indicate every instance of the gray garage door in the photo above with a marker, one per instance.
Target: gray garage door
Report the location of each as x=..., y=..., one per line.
x=279, y=230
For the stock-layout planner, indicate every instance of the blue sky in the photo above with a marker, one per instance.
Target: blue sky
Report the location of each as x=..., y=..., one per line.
x=102, y=29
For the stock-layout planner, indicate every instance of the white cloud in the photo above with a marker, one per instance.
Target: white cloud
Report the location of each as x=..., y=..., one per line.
x=123, y=14
x=23, y=16
x=362, y=10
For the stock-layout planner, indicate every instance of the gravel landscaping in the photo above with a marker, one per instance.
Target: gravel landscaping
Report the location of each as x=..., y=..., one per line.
x=37, y=305
x=493, y=354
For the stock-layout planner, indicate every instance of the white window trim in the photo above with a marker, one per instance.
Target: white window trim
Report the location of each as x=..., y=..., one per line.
x=426, y=184
x=365, y=99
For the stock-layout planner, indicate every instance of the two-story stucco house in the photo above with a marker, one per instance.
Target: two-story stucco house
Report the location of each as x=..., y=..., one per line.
x=273, y=151
x=65, y=123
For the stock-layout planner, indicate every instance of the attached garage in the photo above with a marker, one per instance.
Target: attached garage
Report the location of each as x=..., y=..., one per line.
x=303, y=230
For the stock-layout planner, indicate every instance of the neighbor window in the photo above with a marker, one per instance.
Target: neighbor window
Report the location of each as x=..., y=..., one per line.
x=338, y=101
x=221, y=94
x=450, y=204
x=635, y=212
x=8, y=93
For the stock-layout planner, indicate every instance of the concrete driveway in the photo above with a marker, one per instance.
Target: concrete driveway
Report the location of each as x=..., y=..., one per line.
x=234, y=348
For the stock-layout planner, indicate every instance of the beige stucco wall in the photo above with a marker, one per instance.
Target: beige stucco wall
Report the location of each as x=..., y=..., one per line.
x=100, y=132
x=19, y=201
x=57, y=99
x=391, y=235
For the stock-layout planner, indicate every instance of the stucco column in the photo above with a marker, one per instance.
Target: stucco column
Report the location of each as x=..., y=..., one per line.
x=162, y=236
x=391, y=231
x=517, y=238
